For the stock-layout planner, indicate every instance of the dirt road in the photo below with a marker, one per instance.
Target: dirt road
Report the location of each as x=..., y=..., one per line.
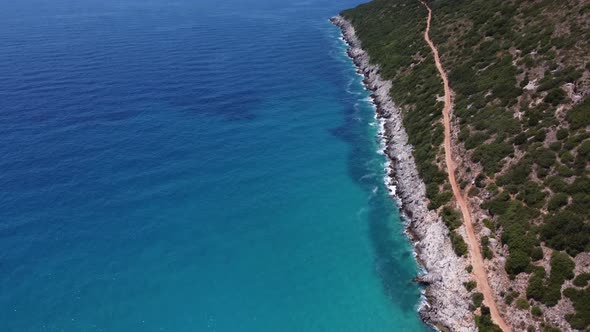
x=479, y=271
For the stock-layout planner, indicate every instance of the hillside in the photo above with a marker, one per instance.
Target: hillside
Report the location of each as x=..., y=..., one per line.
x=520, y=76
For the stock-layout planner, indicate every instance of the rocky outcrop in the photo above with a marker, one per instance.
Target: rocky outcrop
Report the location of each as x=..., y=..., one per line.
x=447, y=300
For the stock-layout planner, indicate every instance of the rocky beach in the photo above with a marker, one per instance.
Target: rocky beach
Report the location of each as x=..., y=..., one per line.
x=447, y=301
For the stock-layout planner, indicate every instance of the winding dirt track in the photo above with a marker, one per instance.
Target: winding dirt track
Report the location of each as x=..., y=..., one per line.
x=479, y=270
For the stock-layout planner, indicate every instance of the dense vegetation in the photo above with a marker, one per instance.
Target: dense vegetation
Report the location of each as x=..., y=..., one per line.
x=520, y=71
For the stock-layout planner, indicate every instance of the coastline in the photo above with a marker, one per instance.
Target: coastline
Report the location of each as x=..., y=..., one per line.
x=447, y=301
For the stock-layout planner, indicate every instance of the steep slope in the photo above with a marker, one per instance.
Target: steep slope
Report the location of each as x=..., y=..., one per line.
x=520, y=75
x=479, y=271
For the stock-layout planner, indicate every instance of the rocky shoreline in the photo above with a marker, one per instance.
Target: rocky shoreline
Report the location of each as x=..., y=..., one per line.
x=447, y=300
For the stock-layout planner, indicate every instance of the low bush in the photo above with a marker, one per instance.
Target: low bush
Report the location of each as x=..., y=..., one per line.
x=555, y=97
x=477, y=299
x=566, y=157
x=509, y=298
x=536, y=311
x=582, y=279
x=517, y=175
x=518, y=235
x=562, y=268
x=545, y=158
x=484, y=321
x=566, y=230
x=520, y=139
x=536, y=253
x=470, y=285
x=536, y=288
x=532, y=195
x=555, y=146
x=486, y=252
x=557, y=201
x=556, y=184
x=459, y=245
x=565, y=171
x=546, y=327
x=580, y=320
x=475, y=140
x=517, y=262
x=451, y=217
x=491, y=155
x=489, y=224
x=440, y=200
x=562, y=134
x=579, y=116
x=522, y=304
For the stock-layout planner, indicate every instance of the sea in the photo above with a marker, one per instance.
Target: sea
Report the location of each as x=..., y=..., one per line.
x=192, y=165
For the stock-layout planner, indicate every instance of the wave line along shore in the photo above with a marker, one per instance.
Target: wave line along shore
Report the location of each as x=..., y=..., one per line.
x=447, y=300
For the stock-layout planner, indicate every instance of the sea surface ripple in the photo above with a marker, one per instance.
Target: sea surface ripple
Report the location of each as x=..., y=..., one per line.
x=192, y=166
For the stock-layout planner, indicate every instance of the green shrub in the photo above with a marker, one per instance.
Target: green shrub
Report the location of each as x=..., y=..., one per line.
x=459, y=245
x=556, y=184
x=485, y=240
x=518, y=236
x=490, y=155
x=499, y=204
x=470, y=285
x=546, y=327
x=439, y=200
x=517, y=262
x=544, y=157
x=566, y=157
x=509, y=298
x=562, y=134
x=451, y=218
x=477, y=299
x=492, y=188
x=557, y=201
x=518, y=174
x=555, y=146
x=582, y=279
x=580, y=320
x=555, y=96
x=536, y=253
x=565, y=171
x=536, y=288
x=486, y=252
x=532, y=195
x=579, y=116
x=522, y=304
x=489, y=224
x=566, y=230
x=475, y=140
x=584, y=151
x=536, y=311
x=542, y=173
x=581, y=185
x=562, y=268
x=484, y=322
x=520, y=139
x=479, y=180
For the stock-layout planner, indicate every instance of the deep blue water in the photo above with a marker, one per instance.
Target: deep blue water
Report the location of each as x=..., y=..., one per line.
x=192, y=166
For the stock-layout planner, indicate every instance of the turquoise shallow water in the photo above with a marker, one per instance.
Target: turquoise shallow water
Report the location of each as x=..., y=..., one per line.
x=192, y=166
